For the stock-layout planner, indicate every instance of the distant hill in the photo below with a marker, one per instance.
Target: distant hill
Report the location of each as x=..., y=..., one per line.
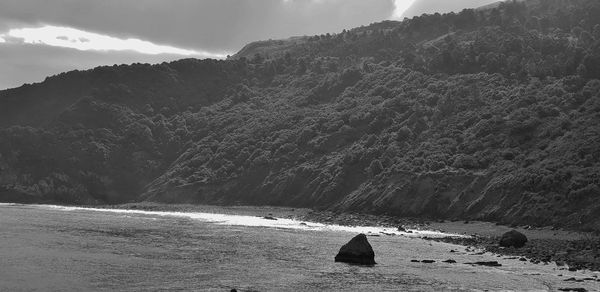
x=483, y=114
x=420, y=7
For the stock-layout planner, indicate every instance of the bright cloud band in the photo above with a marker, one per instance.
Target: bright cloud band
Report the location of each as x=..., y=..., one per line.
x=67, y=37
x=400, y=6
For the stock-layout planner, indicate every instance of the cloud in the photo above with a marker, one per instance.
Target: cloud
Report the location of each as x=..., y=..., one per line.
x=28, y=63
x=210, y=28
x=210, y=25
x=432, y=6
x=72, y=38
x=400, y=6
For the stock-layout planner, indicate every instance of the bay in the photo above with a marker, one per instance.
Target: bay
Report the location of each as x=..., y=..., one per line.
x=54, y=248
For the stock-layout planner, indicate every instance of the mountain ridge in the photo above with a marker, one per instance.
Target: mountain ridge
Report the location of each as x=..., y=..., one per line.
x=420, y=7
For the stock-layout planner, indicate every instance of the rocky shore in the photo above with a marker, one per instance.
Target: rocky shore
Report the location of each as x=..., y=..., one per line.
x=571, y=255
x=568, y=249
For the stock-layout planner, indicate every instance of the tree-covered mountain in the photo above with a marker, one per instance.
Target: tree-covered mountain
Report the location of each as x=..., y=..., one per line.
x=484, y=114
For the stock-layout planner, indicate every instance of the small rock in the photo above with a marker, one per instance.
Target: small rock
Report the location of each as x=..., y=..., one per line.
x=572, y=269
x=401, y=229
x=428, y=261
x=486, y=263
x=450, y=261
x=357, y=251
x=573, y=289
x=415, y=261
x=302, y=223
x=513, y=238
x=523, y=259
x=269, y=218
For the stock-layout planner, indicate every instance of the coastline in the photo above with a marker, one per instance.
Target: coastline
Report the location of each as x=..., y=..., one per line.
x=568, y=249
x=572, y=250
x=195, y=250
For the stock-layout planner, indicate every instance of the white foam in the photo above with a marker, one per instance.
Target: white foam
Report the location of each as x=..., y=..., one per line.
x=255, y=221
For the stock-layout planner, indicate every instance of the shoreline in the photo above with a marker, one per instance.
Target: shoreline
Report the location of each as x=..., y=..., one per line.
x=570, y=250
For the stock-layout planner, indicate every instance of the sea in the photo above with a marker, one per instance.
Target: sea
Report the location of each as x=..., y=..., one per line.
x=60, y=248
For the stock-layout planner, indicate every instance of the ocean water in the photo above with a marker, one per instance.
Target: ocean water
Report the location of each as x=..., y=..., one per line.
x=54, y=248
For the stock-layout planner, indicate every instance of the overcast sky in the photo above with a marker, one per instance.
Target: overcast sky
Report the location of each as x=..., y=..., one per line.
x=39, y=38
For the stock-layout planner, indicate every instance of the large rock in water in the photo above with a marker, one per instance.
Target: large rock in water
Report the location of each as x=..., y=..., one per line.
x=513, y=238
x=357, y=251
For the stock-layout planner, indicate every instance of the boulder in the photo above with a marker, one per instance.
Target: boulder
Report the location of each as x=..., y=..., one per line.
x=357, y=251
x=513, y=238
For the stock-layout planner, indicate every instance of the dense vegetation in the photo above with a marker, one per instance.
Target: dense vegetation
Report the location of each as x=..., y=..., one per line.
x=489, y=114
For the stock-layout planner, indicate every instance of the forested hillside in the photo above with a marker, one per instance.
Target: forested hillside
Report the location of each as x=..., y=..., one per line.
x=487, y=114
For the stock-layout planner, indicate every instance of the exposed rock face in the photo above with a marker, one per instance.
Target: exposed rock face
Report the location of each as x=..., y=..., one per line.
x=357, y=251
x=513, y=238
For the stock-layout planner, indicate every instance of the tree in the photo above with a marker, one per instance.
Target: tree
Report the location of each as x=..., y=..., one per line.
x=375, y=168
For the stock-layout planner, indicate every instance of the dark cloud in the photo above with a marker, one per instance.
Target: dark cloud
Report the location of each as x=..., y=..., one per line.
x=207, y=25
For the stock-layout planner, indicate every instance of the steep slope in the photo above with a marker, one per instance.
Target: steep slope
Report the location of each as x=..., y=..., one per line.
x=485, y=114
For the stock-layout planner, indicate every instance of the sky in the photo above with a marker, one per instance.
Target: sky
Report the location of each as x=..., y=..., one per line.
x=39, y=38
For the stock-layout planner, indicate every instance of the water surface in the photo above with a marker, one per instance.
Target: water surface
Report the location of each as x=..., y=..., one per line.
x=52, y=248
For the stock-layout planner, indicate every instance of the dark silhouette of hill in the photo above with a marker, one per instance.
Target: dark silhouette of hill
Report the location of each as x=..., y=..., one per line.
x=484, y=114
